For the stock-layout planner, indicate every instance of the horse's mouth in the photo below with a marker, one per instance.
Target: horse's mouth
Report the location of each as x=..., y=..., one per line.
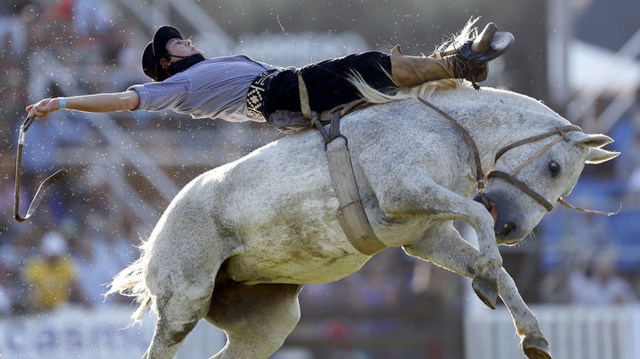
x=500, y=233
x=493, y=209
x=510, y=242
x=489, y=205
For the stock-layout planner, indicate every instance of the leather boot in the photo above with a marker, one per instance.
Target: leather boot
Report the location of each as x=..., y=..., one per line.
x=409, y=71
x=461, y=63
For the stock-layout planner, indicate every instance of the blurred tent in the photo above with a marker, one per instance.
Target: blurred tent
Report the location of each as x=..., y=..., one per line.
x=605, y=83
x=594, y=60
x=595, y=69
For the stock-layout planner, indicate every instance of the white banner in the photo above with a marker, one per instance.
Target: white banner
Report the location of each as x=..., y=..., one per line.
x=75, y=333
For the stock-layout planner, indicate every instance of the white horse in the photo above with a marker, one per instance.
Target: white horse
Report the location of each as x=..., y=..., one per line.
x=236, y=245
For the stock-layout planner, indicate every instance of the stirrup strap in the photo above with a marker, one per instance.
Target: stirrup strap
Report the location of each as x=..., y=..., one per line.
x=351, y=215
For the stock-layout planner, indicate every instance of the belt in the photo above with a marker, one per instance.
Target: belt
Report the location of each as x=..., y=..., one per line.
x=255, y=95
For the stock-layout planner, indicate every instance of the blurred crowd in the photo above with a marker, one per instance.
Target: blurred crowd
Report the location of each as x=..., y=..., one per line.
x=68, y=252
x=592, y=259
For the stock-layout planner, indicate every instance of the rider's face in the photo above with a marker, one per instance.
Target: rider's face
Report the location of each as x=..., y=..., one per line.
x=178, y=48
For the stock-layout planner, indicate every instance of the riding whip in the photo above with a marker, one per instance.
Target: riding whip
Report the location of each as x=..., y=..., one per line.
x=44, y=185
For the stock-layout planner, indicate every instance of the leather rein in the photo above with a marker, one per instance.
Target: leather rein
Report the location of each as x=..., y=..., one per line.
x=481, y=178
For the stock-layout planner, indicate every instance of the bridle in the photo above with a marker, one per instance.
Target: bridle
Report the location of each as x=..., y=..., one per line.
x=510, y=178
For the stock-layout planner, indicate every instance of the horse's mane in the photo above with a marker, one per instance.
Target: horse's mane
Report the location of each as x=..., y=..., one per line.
x=372, y=95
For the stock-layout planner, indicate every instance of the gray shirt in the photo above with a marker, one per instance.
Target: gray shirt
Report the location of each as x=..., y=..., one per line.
x=213, y=88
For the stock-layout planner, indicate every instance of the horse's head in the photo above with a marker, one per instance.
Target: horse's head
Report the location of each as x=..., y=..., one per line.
x=531, y=175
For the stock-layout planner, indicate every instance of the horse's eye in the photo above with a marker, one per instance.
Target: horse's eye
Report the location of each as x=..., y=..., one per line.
x=554, y=168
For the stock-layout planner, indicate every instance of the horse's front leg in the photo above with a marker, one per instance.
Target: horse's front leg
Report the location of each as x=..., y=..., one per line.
x=414, y=193
x=445, y=247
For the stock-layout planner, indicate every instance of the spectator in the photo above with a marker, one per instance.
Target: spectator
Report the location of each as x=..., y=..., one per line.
x=554, y=287
x=51, y=275
x=600, y=285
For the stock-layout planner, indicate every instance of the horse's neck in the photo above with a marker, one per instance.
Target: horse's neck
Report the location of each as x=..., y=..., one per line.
x=495, y=119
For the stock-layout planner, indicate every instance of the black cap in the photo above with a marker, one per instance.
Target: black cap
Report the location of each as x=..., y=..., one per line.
x=156, y=50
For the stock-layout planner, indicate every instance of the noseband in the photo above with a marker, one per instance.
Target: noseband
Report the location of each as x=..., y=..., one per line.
x=510, y=178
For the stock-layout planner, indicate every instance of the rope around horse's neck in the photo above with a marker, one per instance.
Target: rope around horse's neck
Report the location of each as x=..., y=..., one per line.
x=471, y=144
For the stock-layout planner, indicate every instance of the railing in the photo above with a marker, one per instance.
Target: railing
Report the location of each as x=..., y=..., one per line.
x=574, y=332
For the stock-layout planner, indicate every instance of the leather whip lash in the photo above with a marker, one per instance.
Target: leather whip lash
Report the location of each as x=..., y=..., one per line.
x=43, y=186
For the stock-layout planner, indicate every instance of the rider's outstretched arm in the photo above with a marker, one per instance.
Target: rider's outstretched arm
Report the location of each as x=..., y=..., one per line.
x=104, y=102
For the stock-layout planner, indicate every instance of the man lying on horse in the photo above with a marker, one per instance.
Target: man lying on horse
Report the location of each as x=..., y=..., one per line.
x=238, y=88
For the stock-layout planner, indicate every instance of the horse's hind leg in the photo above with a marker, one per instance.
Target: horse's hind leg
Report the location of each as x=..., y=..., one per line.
x=183, y=261
x=179, y=304
x=177, y=315
x=257, y=318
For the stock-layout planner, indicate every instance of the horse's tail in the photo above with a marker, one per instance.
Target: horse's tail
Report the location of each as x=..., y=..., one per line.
x=130, y=282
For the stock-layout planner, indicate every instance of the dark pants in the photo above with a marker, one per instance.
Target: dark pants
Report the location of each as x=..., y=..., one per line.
x=328, y=82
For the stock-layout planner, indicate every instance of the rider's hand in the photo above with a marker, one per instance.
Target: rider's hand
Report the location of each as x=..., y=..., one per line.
x=43, y=107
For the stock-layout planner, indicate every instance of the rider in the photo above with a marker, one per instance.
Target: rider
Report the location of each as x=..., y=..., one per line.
x=238, y=88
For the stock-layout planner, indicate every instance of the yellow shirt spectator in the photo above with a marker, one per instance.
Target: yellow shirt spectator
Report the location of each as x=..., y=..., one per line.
x=51, y=276
x=52, y=280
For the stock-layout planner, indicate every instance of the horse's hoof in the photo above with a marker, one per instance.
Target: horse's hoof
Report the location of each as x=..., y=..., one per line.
x=536, y=348
x=486, y=290
x=535, y=353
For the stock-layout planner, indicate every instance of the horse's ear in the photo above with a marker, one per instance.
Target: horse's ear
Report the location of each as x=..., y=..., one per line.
x=594, y=142
x=590, y=140
x=598, y=155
